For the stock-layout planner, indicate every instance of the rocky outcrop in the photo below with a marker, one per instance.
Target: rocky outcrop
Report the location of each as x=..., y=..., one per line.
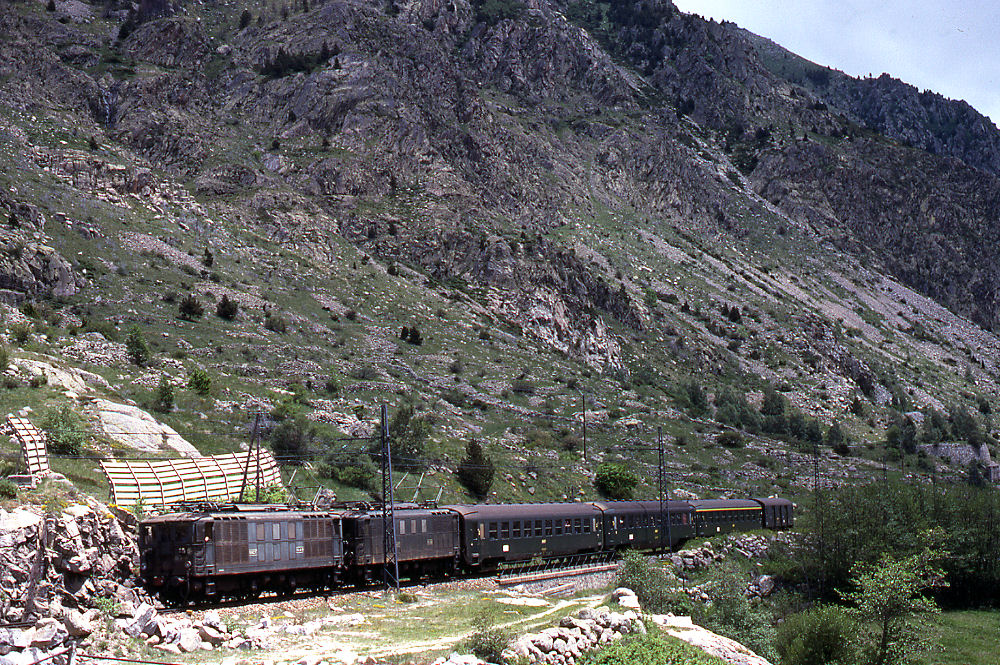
x=566, y=643
x=64, y=560
x=135, y=428
x=728, y=650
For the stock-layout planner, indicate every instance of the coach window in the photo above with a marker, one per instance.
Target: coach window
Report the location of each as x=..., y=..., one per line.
x=516, y=530
x=538, y=529
x=493, y=530
x=558, y=530
x=548, y=527
x=423, y=526
x=482, y=531
x=505, y=530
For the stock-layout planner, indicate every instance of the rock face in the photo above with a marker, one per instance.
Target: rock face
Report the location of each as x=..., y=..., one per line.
x=728, y=650
x=135, y=428
x=64, y=561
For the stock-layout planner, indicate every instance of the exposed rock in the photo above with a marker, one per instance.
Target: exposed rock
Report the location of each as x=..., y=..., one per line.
x=135, y=428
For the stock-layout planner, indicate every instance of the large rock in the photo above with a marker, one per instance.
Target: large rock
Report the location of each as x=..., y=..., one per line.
x=78, y=624
x=189, y=640
x=135, y=428
x=728, y=650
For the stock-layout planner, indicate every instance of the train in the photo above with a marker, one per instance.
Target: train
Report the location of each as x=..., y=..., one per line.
x=238, y=551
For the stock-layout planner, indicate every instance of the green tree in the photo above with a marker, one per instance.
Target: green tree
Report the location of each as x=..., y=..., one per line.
x=136, y=347
x=408, y=435
x=164, y=396
x=226, y=308
x=199, y=381
x=835, y=438
x=292, y=440
x=475, y=471
x=889, y=594
x=615, y=481
x=189, y=308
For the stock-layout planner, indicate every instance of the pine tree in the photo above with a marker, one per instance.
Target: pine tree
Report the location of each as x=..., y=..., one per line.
x=476, y=470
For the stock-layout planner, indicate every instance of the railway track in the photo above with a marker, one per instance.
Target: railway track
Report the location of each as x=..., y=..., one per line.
x=527, y=572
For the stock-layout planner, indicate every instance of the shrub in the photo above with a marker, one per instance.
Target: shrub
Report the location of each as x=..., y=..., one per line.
x=8, y=490
x=409, y=433
x=136, y=347
x=64, y=431
x=653, y=648
x=489, y=640
x=730, y=440
x=275, y=323
x=292, y=439
x=199, y=381
x=164, y=402
x=615, y=481
x=332, y=386
x=354, y=471
x=821, y=635
x=227, y=309
x=269, y=494
x=245, y=18
x=475, y=471
x=20, y=333
x=650, y=583
x=189, y=308
x=523, y=386
x=730, y=613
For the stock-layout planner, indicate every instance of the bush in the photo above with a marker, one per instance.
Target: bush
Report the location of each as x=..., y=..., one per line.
x=730, y=440
x=821, y=635
x=354, y=471
x=269, y=494
x=8, y=490
x=475, y=471
x=653, y=648
x=332, y=386
x=489, y=640
x=730, y=613
x=64, y=432
x=275, y=323
x=164, y=402
x=291, y=440
x=615, y=481
x=20, y=333
x=136, y=347
x=650, y=583
x=227, y=309
x=199, y=381
x=189, y=308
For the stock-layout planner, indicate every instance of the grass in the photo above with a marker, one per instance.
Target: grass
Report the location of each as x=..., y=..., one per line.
x=964, y=638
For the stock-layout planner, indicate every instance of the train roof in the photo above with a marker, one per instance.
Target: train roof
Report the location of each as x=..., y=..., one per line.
x=723, y=504
x=241, y=513
x=514, y=511
x=774, y=501
x=641, y=506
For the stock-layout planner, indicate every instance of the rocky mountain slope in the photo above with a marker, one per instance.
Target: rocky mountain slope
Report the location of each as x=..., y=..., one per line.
x=568, y=200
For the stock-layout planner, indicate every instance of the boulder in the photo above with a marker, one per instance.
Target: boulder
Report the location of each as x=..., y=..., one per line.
x=212, y=635
x=77, y=624
x=189, y=640
x=765, y=585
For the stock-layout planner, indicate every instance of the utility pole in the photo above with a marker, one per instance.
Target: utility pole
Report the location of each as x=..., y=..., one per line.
x=664, y=497
x=583, y=403
x=390, y=570
x=246, y=469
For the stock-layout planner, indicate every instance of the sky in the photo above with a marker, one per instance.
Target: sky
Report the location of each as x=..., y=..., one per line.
x=952, y=48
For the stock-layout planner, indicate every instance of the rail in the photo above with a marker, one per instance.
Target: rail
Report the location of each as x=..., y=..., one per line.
x=555, y=567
